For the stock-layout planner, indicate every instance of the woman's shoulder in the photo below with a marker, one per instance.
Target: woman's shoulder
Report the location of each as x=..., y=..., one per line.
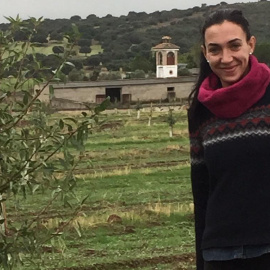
x=198, y=115
x=265, y=100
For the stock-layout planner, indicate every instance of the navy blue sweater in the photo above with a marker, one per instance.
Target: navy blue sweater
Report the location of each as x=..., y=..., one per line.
x=230, y=174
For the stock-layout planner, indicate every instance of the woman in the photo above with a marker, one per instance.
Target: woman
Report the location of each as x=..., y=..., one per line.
x=229, y=125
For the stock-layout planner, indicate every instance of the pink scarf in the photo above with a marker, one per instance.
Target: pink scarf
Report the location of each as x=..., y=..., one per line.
x=232, y=101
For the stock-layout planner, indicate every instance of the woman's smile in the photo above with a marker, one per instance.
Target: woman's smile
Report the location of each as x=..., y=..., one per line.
x=230, y=69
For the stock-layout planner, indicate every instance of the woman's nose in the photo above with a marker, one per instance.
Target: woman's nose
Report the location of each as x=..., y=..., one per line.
x=226, y=56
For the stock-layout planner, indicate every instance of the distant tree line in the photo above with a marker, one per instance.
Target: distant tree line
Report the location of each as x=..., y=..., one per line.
x=127, y=40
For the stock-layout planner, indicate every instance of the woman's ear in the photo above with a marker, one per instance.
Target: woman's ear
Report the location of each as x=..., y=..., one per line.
x=252, y=44
x=203, y=51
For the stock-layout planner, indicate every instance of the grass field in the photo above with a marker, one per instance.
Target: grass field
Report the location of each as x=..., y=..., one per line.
x=139, y=211
x=95, y=49
x=48, y=49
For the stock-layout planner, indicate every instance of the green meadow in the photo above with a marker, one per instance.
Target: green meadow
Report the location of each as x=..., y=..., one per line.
x=47, y=48
x=138, y=213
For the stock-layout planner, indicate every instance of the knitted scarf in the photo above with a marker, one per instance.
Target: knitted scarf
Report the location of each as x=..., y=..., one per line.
x=232, y=101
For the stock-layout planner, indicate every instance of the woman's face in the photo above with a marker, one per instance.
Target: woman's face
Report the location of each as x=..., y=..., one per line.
x=227, y=51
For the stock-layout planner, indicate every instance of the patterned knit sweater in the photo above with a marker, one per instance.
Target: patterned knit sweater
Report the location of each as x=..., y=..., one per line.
x=230, y=173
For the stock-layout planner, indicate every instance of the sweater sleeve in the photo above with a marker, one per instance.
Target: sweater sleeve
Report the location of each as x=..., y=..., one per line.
x=200, y=190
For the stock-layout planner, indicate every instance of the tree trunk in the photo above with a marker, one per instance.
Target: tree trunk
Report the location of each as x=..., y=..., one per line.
x=149, y=121
x=171, y=132
x=138, y=114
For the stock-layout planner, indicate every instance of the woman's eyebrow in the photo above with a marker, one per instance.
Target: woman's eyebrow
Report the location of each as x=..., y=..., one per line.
x=231, y=41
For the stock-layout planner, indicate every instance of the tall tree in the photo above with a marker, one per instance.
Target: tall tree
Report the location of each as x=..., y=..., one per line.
x=58, y=49
x=85, y=50
x=84, y=42
x=142, y=63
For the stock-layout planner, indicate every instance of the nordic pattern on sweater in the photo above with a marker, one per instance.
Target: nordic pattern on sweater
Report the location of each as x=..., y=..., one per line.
x=255, y=122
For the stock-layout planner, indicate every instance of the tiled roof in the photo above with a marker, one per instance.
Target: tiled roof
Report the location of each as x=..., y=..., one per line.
x=166, y=46
x=119, y=83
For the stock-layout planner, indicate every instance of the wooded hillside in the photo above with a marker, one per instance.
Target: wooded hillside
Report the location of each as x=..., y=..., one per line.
x=127, y=38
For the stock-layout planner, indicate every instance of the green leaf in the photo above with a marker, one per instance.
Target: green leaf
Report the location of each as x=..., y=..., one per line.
x=69, y=64
x=103, y=106
x=25, y=99
x=63, y=163
x=84, y=199
x=2, y=220
x=70, y=128
x=55, y=191
x=78, y=229
x=35, y=188
x=66, y=202
x=61, y=124
x=23, y=45
x=2, y=97
x=51, y=92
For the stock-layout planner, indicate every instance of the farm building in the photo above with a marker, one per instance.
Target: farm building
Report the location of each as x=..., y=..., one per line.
x=122, y=92
x=167, y=87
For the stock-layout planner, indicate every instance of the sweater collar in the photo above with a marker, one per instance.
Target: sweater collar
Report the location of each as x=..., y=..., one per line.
x=232, y=101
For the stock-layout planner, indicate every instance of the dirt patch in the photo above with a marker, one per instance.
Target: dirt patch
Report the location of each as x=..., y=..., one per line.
x=155, y=164
x=137, y=263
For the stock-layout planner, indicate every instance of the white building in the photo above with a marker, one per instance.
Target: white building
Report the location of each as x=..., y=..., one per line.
x=166, y=58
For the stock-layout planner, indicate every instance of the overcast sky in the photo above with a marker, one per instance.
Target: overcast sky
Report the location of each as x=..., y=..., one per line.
x=53, y=9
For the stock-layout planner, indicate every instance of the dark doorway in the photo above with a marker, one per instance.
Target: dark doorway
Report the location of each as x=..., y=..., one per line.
x=170, y=89
x=114, y=94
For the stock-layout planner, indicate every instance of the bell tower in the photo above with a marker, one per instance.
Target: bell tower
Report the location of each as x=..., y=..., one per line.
x=166, y=58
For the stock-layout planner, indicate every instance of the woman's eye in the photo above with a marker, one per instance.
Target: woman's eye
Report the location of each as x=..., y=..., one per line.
x=213, y=50
x=235, y=46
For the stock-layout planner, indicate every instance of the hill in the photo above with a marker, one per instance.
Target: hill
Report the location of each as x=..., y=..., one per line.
x=125, y=37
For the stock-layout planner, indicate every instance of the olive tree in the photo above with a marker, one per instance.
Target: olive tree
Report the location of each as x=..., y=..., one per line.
x=37, y=152
x=85, y=50
x=171, y=120
x=58, y=49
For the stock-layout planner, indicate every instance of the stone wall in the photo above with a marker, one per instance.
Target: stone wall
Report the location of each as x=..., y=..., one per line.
x=73, y=95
